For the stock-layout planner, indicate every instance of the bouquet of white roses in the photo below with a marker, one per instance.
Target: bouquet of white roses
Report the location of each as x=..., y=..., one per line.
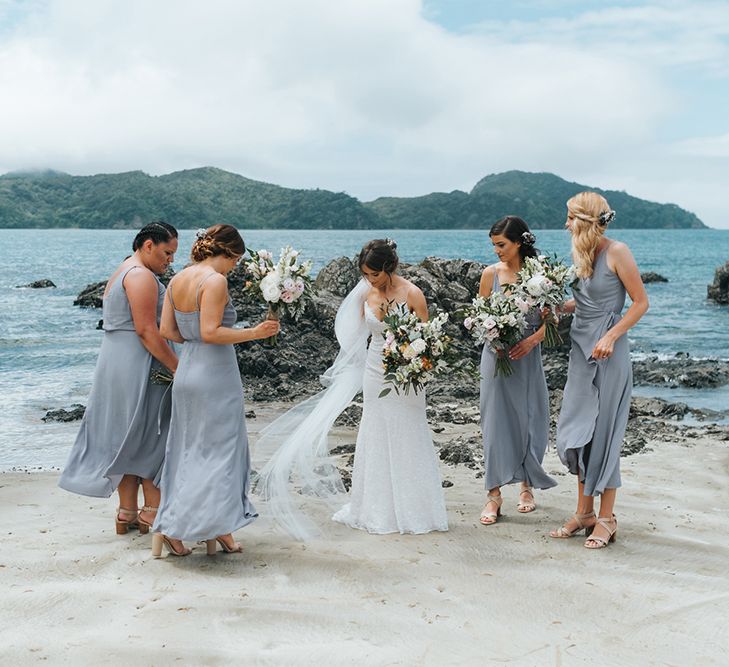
x=413, y=352
x=285, y=285
x=543, y=282
x=498, y=321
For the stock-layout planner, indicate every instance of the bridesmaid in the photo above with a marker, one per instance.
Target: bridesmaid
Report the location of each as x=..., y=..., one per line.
x=514, y=409
x=205, y=477
x=599, y=379
x=124, y=430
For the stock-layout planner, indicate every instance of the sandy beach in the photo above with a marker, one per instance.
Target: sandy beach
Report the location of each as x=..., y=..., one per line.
x=75, y=593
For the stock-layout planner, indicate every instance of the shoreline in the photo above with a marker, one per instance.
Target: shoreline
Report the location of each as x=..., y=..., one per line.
x=502, y=594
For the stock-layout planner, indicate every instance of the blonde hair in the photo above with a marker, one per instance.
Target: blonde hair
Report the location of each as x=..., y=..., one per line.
x=590, y=215
x=217, y=240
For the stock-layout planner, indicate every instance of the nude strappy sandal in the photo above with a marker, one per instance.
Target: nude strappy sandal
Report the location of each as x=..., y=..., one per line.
x=602, y=542
x=158, y=539
x=529, y=505
x=212, y=546
x=143, y=525
x=123, y=525
x=488, y=518
x=563, y=532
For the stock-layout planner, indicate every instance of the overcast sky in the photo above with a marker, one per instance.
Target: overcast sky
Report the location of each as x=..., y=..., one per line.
x=375, y=97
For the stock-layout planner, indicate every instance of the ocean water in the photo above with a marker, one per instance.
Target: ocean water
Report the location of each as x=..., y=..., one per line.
x=48, y=347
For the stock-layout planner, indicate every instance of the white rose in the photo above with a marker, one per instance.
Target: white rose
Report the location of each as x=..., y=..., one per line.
x=419, y=346
x=409, y=353
x=535, y=284
x=269, y=287
x=289, y=285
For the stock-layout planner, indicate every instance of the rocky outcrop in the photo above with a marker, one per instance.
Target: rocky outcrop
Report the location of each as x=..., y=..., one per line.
x=681, y=371
x=92, y=295
x=72, y=413
x=652, y=277
x=718, y=291
x=38, y=284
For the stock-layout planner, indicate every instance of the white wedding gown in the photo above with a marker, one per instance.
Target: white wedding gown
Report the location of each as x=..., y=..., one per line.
x=396, y=485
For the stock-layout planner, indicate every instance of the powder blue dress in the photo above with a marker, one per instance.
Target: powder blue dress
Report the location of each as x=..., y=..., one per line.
x=597, y=395
x=124, y=428
x=206, y=474
x=515, y=416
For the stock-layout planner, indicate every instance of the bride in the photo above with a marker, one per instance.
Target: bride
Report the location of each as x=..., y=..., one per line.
x=396, y=485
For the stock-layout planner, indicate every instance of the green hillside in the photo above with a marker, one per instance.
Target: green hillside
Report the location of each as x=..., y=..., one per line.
x=538, y=198
x=202, y=197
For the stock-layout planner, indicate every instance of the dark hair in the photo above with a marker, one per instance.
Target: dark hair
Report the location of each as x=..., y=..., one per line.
x=217, y=240
x=517, y=231
x=379, y=255
x=158, y=232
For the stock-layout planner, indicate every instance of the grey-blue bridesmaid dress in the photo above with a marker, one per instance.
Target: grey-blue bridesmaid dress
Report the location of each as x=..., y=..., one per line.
x=515, y=416
x=597, y=394
x=206, y=473
x=124, y=428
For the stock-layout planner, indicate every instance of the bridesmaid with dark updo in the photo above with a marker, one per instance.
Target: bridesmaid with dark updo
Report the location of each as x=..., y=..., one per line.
x=205, y=477
x=514, y=409
x=124, y=430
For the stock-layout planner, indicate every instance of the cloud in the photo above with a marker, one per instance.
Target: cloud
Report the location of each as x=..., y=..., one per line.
x=368, y=97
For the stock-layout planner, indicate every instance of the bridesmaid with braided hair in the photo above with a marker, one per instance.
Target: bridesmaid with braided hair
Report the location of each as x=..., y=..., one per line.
x=124, y=429
x=596, y=398
x=205, y=478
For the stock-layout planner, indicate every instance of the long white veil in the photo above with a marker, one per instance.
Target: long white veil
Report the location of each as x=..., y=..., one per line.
x=294, y=448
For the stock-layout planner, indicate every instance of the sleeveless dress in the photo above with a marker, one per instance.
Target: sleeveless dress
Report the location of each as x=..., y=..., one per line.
x=597, y=394
x=124, y=428
x=515, y=416
x=205, y=478
x=396, y=484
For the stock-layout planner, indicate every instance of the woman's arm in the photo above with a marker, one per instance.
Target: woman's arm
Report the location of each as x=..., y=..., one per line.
x=168, y=324
x=526, y=345
x=487, y=282
x=213, y=297
x=567, y=307
x=141, y=289
x=417, y=303
x=627, y=270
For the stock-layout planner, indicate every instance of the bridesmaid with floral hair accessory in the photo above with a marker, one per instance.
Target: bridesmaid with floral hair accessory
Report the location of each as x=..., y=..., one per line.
x=596, y=398
x=514, y=409
x=123, y=432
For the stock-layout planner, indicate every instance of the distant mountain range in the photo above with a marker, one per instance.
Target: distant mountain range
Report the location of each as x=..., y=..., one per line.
x=202, y=197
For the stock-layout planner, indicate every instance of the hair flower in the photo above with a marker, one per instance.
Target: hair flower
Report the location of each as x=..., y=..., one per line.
x=606, y=217
x=527, y=238
x=201, y=233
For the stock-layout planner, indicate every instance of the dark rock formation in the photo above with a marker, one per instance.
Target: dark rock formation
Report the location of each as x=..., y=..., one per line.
x=718, y=291
x=652, y=277
x=681, y=370
x=38, y=284
x=70, y=414
x=91, y=296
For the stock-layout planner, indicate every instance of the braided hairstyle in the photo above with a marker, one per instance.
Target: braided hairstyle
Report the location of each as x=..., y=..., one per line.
x=379, y=255
x=157, y=232
x=217, y=240
x=517, y=231
x=590, y=214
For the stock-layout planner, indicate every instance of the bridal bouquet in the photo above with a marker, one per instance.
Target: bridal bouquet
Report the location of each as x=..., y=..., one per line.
x=413, y=352
x=543, y=282
x=498, y=321
x=285, y=285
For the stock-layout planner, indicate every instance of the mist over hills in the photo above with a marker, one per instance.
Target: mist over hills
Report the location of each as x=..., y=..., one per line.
x=202, y=197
